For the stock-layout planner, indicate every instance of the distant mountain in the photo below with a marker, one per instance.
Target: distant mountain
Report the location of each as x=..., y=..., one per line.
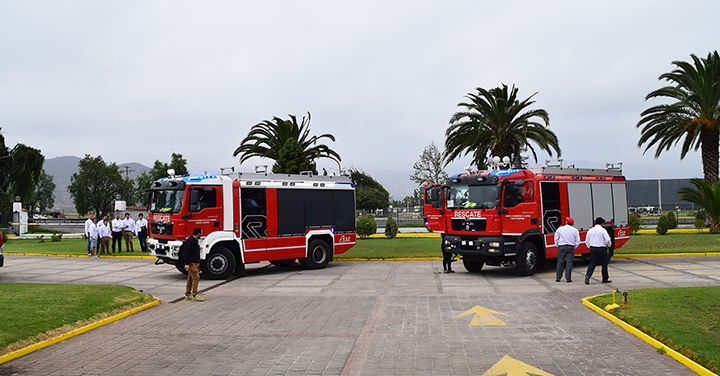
x=62, y=168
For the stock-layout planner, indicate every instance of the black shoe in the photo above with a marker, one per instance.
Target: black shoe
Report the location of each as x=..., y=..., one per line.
x=587, y=279
x=569, y=280
x=557, y=280
x=607, y=281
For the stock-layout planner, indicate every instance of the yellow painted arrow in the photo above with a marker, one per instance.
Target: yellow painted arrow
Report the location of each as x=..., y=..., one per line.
x=510, y=367
x=484, y=316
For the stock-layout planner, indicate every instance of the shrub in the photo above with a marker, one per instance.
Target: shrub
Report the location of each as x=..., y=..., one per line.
x=671, y=220
x=366, y=226
x=391, y=228
x=634, y=223
x=56, y=237
x=700, y=224
x=701, y=214
x=662, y=226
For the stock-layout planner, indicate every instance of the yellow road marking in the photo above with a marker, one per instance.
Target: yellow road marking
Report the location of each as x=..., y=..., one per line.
x=511, y=367
x=484, y=316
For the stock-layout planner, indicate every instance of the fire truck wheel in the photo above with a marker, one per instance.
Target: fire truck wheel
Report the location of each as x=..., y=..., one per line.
x=527, y=260
x=181, y=268
x=219, y=264
x=473, y=266
x=319, y=255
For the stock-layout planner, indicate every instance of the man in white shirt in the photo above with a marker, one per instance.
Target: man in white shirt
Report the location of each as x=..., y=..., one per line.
x=88, y=223
x=567, y=238
x=141, y=230
x=117, y=227
x=128, y=230
x=598, y=240
x=104, y=236
x=92, y=237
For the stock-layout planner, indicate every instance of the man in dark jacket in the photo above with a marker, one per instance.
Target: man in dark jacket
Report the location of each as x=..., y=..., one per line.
x=191, y=254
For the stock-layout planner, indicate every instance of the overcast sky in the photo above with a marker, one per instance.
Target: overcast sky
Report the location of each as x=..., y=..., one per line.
x=134, y=81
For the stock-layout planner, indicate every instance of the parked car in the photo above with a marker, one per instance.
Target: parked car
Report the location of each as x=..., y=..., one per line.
x=634, y=214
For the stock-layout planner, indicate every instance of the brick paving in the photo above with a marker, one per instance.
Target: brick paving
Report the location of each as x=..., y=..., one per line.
x=355, y=318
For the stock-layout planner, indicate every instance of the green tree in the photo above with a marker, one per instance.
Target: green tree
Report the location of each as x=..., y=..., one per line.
x=693, y=116
x=20, y=169
x=268, y=138
x=662, y=225
x=42, y=197
x=366, y=226
x=391, y=228
x=707, y=197
x=369, y=194
x=429, y=169
x=291, y=159
x=159, y=171
x=671, y=220
x=495, y=123
x=94, y=186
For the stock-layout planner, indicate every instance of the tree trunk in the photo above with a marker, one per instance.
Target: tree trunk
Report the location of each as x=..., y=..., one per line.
x=710, y=156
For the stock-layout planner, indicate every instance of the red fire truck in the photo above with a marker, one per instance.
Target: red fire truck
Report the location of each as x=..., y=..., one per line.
x=252, y=217
x=510, y=216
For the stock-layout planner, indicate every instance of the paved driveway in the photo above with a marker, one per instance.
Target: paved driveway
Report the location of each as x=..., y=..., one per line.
x=358, y=318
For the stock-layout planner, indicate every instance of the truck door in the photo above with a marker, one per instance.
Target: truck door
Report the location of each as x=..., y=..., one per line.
x=519, y=201
x=432, y=208
x=205, y=212
x=253, y=224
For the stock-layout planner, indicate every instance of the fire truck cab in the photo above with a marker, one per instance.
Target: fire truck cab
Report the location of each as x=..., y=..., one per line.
x=506, y=217
x=252, y=217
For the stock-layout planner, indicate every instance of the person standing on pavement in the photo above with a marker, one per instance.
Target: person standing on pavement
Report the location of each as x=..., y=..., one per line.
x=567, y=238
x=598, y=240
x=141, y=230
x=117, y=227
x=104, y=234
x=88, y=223
x=93, y=237
x=128, y=232
x=191, y=255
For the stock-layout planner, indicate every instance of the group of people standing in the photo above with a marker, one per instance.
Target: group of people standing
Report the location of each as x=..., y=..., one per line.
x=98, y=234
x=567, y=238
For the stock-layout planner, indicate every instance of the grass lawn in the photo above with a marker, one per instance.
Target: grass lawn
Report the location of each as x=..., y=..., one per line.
x=671, y=243
x=68, y=246
x=384, y=248
x=658, y=313
x=31, y=312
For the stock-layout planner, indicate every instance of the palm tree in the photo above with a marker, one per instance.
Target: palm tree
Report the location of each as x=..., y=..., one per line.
x=707, y=196
x=268, y=138
x=495, y=121
x=693, y=118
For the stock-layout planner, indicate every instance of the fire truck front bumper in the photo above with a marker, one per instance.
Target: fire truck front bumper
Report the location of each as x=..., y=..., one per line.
x=472, y=245
x=165, y=249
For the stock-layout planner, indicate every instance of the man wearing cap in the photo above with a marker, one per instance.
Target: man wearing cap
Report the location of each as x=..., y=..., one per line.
x=598, y=240
x=567, y=238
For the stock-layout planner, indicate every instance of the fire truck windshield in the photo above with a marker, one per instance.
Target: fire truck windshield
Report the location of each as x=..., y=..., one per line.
x=472, y=196
x=167, y=201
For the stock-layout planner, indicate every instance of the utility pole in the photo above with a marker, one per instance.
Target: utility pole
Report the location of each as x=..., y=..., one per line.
x=127, y=172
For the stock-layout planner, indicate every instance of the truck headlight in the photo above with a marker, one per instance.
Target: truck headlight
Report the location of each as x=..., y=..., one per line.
x=495, y=244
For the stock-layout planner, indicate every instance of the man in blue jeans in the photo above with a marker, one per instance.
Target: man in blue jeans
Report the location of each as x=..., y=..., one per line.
x=598, y=240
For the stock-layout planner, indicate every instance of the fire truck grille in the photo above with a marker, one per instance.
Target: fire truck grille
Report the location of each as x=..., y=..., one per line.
x=467, y=224
x=161, y=228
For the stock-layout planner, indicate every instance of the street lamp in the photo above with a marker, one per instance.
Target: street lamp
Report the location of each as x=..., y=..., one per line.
x=659, y=193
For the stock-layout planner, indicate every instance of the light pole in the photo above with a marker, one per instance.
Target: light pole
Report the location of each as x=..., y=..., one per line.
x=659, y=193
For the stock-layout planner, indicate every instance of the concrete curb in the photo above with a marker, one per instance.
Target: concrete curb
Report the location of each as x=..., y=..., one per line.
x=700, y=370
x=62, y=337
